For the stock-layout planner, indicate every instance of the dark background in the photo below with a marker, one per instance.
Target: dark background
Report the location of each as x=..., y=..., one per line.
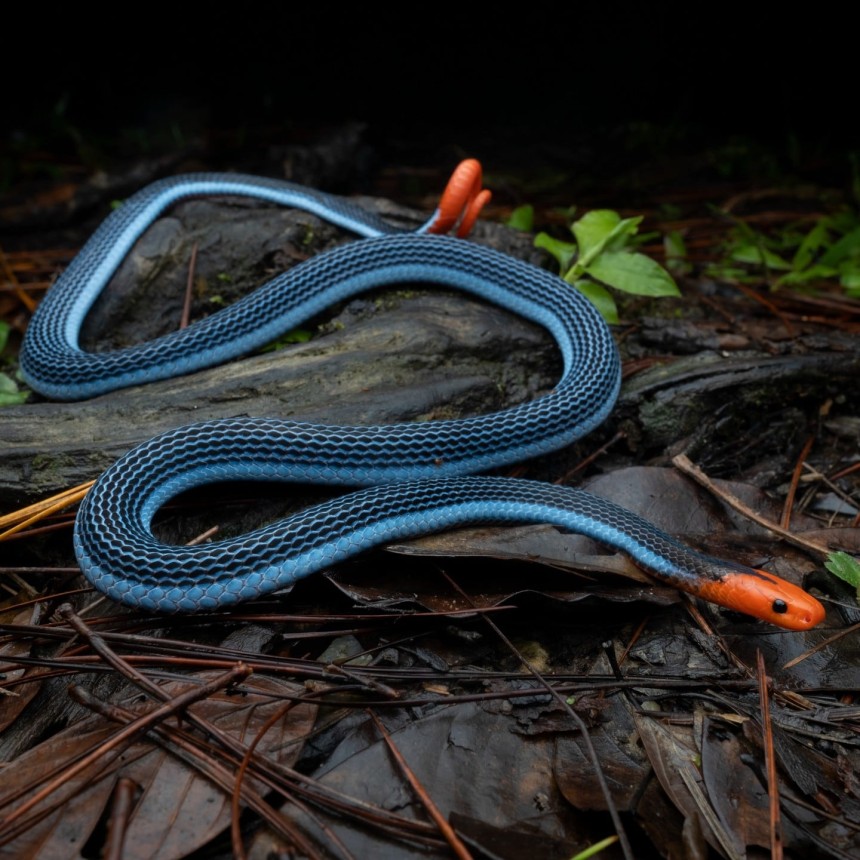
x=81, y=84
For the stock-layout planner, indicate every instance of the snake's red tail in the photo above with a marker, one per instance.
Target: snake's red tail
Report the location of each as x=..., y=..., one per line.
x=462, y=200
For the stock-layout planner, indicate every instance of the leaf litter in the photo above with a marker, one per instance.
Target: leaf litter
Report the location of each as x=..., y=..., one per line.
x=671, y=707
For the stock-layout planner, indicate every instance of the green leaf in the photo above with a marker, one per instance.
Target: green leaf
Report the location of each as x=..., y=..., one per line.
x=816, y=272
x=297, y=335
x=595, y=228
x=602, y=226
x=600, y=297
x=5, y=328
x=563, y=252
x=624, y=235
x=816, y=239
x=601, y=230
x=676, y=252
x=846, y=567
x=723, y=271
x=758, y=255
x=522, y=218
x=15, y=399
x=9, y=393
x=843, y=221
x=849, y=275
x=604, y=241
x=633, y=273
x=594, y=850
x=848, y=246
x=674, y=244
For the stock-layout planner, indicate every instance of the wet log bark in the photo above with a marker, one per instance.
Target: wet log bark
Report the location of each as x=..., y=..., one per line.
x=389, y=356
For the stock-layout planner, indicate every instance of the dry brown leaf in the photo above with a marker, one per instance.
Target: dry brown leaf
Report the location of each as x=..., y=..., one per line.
x=674, y=757
x=18, y=696
x=178, y=810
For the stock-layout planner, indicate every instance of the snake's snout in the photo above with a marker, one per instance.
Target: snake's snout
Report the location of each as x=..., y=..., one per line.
x=809, y=615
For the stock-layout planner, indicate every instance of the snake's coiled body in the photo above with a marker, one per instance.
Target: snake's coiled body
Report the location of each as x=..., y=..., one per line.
x=51, y=360
x=418, y=466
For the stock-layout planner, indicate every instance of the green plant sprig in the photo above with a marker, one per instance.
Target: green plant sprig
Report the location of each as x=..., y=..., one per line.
x=846, y=567
x=10, y=394
x=603, y=256
x=829, y=250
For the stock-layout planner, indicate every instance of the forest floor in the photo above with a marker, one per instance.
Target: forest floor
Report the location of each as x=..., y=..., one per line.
x=489, y=693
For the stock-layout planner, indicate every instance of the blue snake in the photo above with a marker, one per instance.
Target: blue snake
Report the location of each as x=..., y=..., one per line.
x=418, y=476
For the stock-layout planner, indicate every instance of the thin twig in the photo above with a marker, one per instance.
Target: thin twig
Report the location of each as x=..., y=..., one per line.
x=591, y=752
x=769, y=760
x=189, y=286
x=587, y=461
x=25, y=299
x=108, y=655
x=813, y=474
x=98, y=644
x=189, y=750
x=236, y=798
x=204, y=536
x=238, y=790
x=757, y=297
x=683, y=462
x=122, y=805
x=785, y=522
x=129, y=733
x=38, y=511
x=445, y=828
x=839, y=634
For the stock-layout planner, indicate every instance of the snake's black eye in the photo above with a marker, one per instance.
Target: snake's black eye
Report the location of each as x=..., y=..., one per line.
x=780, y=607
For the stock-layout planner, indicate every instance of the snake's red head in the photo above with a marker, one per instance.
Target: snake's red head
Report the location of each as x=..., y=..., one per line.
x=765, y=596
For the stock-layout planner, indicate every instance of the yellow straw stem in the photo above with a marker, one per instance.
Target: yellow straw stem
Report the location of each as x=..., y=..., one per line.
x=20, y=519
